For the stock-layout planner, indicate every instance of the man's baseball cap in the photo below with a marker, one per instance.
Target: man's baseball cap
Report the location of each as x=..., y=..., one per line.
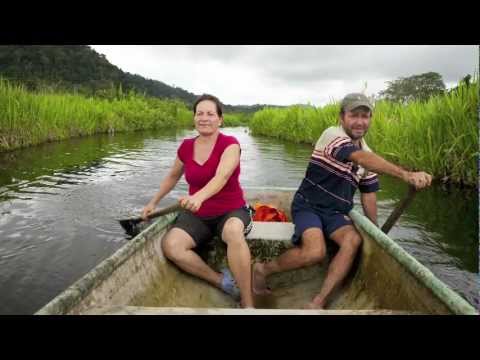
x=354, y=100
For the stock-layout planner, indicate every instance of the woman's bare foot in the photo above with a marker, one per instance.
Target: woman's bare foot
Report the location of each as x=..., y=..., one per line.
x=259, y=283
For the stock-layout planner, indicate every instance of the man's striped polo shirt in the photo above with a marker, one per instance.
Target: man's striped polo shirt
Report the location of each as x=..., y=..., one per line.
x=331, y=179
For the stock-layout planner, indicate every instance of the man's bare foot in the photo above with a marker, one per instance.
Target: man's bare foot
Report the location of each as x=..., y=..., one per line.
x=259, y=283
x=247, y=303
x=247, y=306
x=315, y=305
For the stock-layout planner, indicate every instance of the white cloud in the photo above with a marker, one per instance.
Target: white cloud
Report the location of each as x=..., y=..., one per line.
x=285, y=75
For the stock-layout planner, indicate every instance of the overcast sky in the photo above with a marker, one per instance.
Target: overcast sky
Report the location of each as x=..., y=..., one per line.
x=289, y=74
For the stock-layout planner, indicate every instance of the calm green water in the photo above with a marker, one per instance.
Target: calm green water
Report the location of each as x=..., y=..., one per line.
x=59, y=204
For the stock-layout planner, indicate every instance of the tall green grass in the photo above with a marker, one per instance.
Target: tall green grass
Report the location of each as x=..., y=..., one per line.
x=28, y=118
x=439, y=136
x=295, y=123
x=237, y=119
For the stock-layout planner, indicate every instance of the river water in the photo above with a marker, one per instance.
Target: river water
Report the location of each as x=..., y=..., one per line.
x=59, y=203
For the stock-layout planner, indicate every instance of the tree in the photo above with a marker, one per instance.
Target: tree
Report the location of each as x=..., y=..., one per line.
x=80, y=69
x=467, y=79
x=417, y=87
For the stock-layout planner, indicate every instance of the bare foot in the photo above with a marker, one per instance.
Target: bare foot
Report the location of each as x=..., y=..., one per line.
x=247, y=304
x=316, y=304
x=313, y=306
x=248, y=307
x=259, y=283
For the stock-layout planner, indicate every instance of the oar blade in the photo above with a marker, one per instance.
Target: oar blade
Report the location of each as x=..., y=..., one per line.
x=133, y=226
x=398, y=211
x=130, y=226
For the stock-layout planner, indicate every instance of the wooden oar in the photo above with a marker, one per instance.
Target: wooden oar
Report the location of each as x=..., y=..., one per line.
x=130, y=225
x=398, y=211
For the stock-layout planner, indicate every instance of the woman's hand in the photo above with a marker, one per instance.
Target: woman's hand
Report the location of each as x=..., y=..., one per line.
x=191, y=203
x=147, y=210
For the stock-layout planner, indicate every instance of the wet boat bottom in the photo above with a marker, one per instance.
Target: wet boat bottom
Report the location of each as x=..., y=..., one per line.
x=293, y=289
x=187, y=291
x=290, y=289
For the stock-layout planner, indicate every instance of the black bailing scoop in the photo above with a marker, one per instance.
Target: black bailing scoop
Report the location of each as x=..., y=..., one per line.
x=131, y=225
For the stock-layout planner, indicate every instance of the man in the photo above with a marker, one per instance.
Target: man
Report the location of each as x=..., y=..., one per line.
x=341, y=162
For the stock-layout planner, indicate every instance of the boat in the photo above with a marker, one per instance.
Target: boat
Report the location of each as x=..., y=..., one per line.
x=138, y=279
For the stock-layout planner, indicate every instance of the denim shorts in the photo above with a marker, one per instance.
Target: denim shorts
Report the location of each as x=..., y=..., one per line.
x=306, y=216
x=203, y=229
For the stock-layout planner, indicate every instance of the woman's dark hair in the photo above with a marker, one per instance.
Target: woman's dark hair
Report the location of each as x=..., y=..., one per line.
x=204, y=97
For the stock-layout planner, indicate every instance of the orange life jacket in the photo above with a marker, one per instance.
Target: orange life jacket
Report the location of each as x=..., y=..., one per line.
x=265, y=212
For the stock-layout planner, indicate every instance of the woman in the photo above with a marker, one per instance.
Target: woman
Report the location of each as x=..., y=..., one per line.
x=215, y=205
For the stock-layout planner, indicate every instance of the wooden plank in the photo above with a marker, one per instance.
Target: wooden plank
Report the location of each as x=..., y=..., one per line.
x=139, y=310
x=279, y=231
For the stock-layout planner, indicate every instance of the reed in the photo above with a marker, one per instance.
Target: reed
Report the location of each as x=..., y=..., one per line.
x=28, y=118
x=439, y=136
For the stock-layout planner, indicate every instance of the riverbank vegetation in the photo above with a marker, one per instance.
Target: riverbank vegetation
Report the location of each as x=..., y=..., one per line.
x=439, y=135
x=33, y=117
